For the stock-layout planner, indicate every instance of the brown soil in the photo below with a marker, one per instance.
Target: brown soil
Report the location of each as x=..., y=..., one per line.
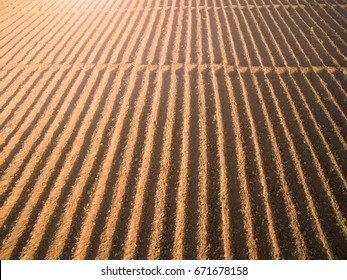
x=173, y=129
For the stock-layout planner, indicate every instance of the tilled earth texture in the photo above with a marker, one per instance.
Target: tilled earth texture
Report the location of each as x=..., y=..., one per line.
x=173, y=129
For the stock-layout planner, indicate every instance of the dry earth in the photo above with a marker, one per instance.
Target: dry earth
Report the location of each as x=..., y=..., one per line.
x=173, y=129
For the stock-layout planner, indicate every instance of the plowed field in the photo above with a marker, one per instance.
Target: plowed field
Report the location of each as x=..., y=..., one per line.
x=173, y=129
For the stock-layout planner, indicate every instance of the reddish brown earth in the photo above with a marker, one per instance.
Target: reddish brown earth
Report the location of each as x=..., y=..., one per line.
x=173, y=129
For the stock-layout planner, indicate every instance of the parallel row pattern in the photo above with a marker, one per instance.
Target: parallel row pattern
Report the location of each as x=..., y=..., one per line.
x=115, y=31
x=160, y=129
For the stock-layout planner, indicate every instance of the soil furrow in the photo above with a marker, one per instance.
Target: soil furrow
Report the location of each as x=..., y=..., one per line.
x=21, y=105
x=27, y=26
x=302, y=177
x=38, y=135
x=181, y=199
x=119, y=186
x=173, y=129
x=138, y=205
x=13, y=48
x=278, y=150
x=331, y=43
x=154, y=248
x=73, y=163
x=39, y=182
x=85, y=44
